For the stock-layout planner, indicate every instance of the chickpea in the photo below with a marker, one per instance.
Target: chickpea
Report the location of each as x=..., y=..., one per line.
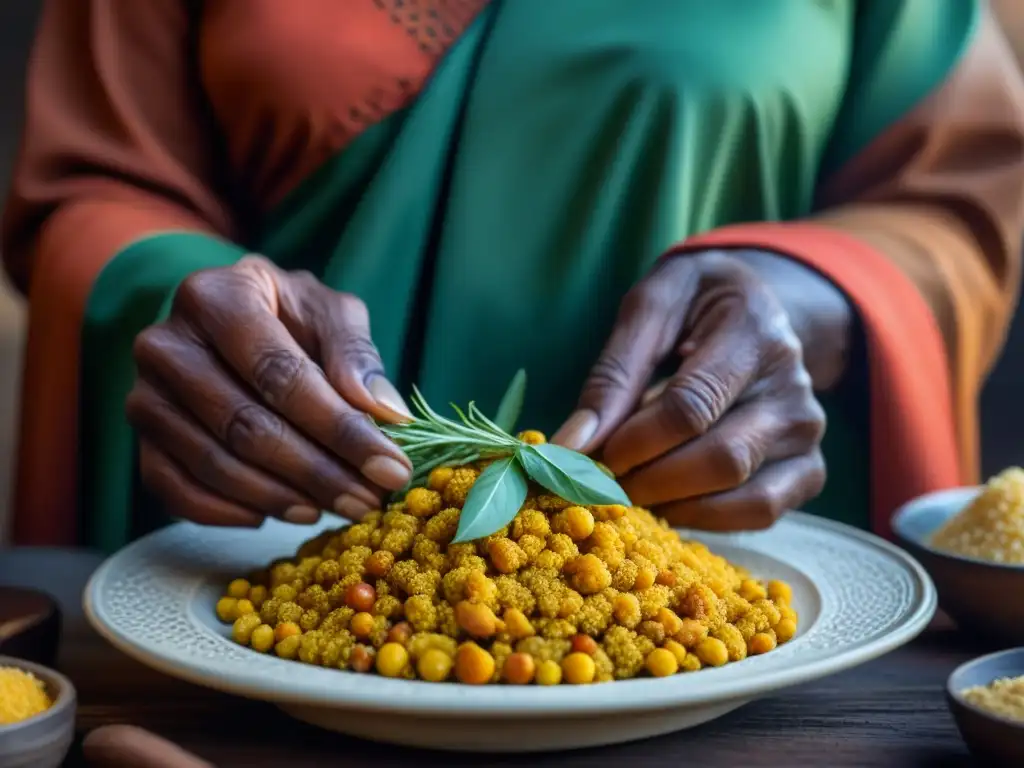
x=670, y=621
x=239, y=588
x=584, y=644
x=666, y=578
x=712, y=652
x=289, y=647
x=517, y=625
x=244, y=606
x=519, y=669
x=361, y=625
x=422, y=502
x=476, y=619
x=549, y=673
x=473, y=665
x=286, y=629
x=227, y=609
x=785, y=630
x=661, y=662
x=379, y=564
x=361, y=659
x=780, y=592
x=257, y=595
x=578, y=523
x=392, y=659
x=439, y=478
x=532, y=437
x=751, y=590
x=434, y=666
x=242, y=629
x=400, y=633
x=676, y=650
x=262, y=638
x=691, y=633
x=760, y=643
x=578, y=669
x=360, y=597
x=645, y=579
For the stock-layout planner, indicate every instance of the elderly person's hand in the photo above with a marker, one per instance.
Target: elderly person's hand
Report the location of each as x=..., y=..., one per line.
x=254, y=399
x=732, y=439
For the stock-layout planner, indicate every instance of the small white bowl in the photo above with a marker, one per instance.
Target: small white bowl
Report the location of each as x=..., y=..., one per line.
x=983, y=597
x=42, y=741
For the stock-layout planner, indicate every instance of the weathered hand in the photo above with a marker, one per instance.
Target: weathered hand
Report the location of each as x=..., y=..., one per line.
x=731, y=440
x=254, y=398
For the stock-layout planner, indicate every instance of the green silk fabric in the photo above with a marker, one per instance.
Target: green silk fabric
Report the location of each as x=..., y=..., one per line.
x=557, y=151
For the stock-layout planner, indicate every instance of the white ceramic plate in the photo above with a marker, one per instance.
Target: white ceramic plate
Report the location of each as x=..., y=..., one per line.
x=858, y=598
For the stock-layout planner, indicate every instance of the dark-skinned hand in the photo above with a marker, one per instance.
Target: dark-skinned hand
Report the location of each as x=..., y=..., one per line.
x=732, y=439
x=254, y=399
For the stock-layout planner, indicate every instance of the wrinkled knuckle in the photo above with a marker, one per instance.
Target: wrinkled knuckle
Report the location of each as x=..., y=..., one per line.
x=353, y=307
x=694, y=404
x=765, y=510
x=276, y=374
x=150, y=345
x=609, y=374
x=360, y=354
x=810, y=422
x=252, y=430
x=211, y=468
x=735, y=463
x=137, y=407
x=197, y=291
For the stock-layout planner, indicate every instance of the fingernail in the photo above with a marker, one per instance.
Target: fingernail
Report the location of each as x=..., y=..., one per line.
x=386, y=472
x=578, y=430
x=384, y=392
x=302, y=515
x=349, y=506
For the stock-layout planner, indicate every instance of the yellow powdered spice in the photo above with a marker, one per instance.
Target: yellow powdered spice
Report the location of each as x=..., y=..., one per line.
x=1003, y=697
x=992, y=527
x=22, y=695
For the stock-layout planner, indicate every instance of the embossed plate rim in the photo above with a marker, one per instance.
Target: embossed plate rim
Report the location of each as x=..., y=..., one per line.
x=332, y=689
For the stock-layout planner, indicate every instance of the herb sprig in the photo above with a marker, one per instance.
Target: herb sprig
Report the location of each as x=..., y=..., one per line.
x=431, y=440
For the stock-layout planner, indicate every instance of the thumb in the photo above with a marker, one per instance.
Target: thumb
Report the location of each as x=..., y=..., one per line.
x=642, y=336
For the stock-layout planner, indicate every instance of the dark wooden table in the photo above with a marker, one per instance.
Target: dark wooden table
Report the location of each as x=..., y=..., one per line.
x=889, y=712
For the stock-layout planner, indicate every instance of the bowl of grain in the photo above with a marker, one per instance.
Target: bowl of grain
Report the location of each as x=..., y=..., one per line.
x=986, y=697
x=37, y=715
x=971, y=542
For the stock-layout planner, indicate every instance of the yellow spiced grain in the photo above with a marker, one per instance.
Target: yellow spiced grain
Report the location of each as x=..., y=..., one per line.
x=992, y=527
x=1003, y=697
x=22, y=695
x=564, y=593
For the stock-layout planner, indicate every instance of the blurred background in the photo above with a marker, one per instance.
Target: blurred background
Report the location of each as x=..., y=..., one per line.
x=1002, y=420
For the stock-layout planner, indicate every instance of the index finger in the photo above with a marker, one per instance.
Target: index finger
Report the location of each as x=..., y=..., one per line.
x=707, y=384
x=257, y=346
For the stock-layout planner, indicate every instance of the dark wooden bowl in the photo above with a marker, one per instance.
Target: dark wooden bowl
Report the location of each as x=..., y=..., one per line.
x=992, y=739
x=985, y=599
x=30, y=624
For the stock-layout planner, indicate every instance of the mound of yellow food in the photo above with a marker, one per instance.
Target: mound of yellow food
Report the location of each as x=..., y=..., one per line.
x=563, y=594
x=992, y=526
x=22, y=695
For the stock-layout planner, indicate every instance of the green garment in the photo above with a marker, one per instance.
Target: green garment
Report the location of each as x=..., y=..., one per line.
x=558, y=150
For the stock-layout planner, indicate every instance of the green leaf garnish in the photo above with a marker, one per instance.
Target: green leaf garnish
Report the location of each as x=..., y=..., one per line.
x=431, y=440
x=511, y=405
x=571, y=475
x=493, y=501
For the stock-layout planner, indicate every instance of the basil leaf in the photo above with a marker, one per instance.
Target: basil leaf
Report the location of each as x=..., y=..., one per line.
x=571, y=475
x=511, y=405
x=493, y=501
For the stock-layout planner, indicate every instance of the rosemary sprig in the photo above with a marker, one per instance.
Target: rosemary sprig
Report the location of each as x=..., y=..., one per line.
x=431, y=440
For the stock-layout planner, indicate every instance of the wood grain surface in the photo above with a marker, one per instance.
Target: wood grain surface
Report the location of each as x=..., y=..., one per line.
x=889, y=712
